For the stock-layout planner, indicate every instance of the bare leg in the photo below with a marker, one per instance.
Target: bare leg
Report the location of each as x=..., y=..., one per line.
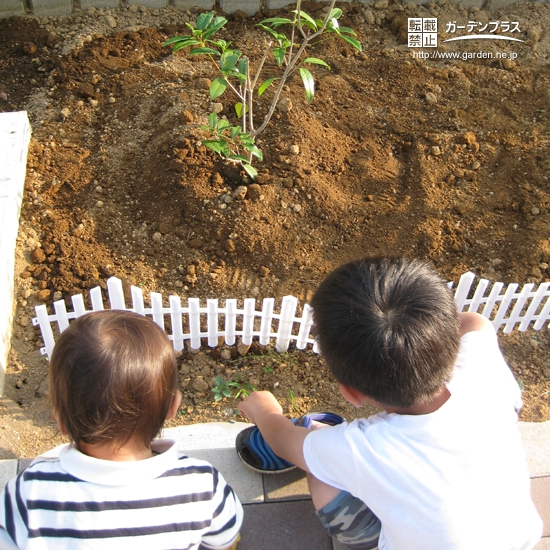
x=321, y=493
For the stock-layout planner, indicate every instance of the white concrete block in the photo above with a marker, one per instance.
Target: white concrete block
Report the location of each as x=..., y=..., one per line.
x=87, y=4
x=536, y=442
x=8, y=469
x=278, y=4
x=186, y=4
x=15, y=134
x=152, y=4
x=51, y=8
x=11, y=7
x=250, y=7
x=210, y=435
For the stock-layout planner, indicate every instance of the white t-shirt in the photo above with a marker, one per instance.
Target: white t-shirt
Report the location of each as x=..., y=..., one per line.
x=455, y=479
x=74, y=501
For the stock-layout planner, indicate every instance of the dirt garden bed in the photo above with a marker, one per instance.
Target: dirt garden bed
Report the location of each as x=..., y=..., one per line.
x=444, y=160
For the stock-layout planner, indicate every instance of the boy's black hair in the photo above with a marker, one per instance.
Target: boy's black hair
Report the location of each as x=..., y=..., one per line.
x=389, y=328
x=113, y=376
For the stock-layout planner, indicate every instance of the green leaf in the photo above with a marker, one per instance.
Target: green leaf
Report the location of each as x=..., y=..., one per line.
x=334, y=24
x=239, y=109
x=265, y=85
x=250, y=170
x=228, y=59
x=235, y=131
x=214, y=27
x=182, y=42
x=181, y=45
x=217, y=88
x=222, y=124
x=308, y=20
x=267, y=29
x=217, y=145
x=176, y=39
x=239, y=158
x=355, y=43
x=347, y=30
x=309, y=84
x=246, y=140
x=204, y=19
x=257, y=153
x=336, y=13
x=276, y=22
x=212, y=120
x=279, y=54
x=204, y=51
x=222, y=44
x=242, y=67
x=316, y=61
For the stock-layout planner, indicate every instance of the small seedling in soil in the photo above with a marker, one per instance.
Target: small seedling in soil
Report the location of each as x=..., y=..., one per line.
x=237, y=142
x=224, y=388
x=268, y=369
x=292, y=400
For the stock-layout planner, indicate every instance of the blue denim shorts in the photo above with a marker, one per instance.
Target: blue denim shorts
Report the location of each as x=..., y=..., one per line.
x=351, y=522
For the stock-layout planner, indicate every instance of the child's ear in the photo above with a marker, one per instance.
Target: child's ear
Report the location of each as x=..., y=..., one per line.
x=174, y=406
x=351, y=395
x=60, y=424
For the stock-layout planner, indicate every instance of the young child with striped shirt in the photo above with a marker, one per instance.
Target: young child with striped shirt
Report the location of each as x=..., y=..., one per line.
x=113, y=383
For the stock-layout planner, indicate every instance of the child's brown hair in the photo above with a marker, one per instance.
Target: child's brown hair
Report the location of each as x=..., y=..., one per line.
x=113, y=377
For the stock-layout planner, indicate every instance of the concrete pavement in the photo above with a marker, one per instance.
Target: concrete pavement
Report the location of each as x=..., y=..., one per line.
x=279, y=514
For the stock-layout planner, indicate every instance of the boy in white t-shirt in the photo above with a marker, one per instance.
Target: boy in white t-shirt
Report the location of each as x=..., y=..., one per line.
x=113, y=383
x=442, y=467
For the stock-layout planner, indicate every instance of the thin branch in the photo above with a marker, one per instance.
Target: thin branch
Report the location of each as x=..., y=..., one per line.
x=250, y=97
x=262, y=61
x=290, y=68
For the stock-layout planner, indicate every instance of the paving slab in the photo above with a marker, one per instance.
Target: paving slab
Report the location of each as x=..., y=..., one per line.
x=8, y=469
x=536, y=442
x=288, y=486
x=288, y=525
x=540, y=493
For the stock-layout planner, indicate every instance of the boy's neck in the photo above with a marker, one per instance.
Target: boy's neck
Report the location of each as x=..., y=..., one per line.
x=423, y=408
x=129, y=452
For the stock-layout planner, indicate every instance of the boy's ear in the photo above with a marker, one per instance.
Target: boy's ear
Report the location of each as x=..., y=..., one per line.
x=174, y=406
x=351, y=395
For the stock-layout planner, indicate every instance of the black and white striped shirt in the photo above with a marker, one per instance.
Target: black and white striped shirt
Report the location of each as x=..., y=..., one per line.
x=78, y=502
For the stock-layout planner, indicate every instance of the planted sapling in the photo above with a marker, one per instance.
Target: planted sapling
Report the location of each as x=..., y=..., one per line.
x=287, y=42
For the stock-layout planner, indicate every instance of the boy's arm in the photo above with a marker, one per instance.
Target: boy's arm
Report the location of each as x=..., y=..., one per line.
x=285, y=439
x=470, y=322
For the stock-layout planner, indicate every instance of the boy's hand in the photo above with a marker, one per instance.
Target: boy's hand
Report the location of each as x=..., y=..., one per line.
x=259, y=403
x=285, y=439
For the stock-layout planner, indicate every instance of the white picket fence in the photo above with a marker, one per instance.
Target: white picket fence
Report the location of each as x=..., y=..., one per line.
x=193, y=322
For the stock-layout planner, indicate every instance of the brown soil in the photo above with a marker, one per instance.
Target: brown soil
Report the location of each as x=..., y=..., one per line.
x=444, y=160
